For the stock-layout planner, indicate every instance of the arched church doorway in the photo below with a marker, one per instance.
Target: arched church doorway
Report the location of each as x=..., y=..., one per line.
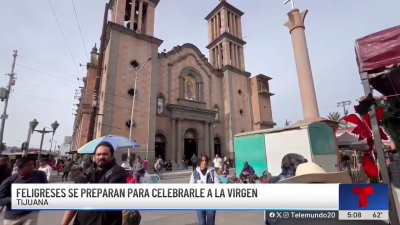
x=217, y=146
x=160, y=146
x=190, y=144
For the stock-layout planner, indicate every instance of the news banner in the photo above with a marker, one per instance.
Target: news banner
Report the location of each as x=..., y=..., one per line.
x=280, y=201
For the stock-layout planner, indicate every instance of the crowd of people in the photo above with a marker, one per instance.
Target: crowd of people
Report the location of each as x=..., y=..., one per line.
x=104, y=169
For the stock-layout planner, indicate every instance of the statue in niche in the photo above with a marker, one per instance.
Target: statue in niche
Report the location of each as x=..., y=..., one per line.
x=190, y=88
x=160, y=105
x=216, y=114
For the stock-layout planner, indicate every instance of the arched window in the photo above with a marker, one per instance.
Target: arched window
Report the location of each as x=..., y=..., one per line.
x=191, y=85
x=190, y=88
x=191, y=134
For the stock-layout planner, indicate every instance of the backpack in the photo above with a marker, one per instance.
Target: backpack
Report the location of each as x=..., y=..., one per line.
x=209, y=178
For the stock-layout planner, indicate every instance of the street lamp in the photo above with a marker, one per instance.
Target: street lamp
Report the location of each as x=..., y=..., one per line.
x=133, y=106
x=32, y=126
x=54, y=127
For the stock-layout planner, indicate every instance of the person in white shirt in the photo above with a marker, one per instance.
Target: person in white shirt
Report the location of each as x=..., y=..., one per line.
x=46, y=168
x=204, y=175
x=217, y=163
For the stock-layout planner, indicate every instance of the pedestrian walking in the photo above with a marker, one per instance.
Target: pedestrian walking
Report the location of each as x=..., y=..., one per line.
x=225, y=164
x=106, y=170
x=217, y=163
x=184, y=163
x=194, y=161
x=204, y=175
x=46, y=168
x=26, y=175
x=158, y=166
x=67, y=167
x=138, y=168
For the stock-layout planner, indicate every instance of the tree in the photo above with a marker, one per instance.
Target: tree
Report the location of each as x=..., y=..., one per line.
x=335, y=116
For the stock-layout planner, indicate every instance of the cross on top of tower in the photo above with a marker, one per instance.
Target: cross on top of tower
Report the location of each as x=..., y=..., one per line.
x=291, y=2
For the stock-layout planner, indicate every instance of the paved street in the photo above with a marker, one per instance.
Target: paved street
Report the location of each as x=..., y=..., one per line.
x=167, y=218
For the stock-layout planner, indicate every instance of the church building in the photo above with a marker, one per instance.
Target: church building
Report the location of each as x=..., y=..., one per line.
x=181, y=102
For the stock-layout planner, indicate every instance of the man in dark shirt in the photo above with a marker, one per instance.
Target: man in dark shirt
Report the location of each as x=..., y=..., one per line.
x=26, y=175
x=106, y=171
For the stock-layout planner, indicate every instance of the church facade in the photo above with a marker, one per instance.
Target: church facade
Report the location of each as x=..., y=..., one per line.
x=182, y=103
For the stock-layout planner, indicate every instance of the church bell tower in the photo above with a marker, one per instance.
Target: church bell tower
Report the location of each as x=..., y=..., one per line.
x=226, y=55
x=129, y=75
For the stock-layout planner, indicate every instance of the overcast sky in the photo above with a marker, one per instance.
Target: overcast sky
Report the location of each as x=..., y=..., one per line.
x=47, y=71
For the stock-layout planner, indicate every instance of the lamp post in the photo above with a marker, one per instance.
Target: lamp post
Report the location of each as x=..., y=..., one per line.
x=133, y=105
x=32, y=126
x=54, y=127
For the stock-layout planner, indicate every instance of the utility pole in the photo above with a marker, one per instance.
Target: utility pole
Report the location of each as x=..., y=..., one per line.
x=343, y=104
x=4, y=116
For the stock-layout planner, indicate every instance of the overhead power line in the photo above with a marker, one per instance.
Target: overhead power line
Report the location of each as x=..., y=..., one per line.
x=62, y=34
x=47, y=74
x=80, y=30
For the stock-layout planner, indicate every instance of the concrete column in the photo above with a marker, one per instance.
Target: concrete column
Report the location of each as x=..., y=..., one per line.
x=218, y=56
x=172, y=140
x=236, y=33
x=210, y=34
x=211, y=133
x=181, y=87
x=239, y=22
x=140, y=15
x=215, y=26
x=179, y=141
x=132, y=14
x=120, y=12
x=206, y=138
x=201, y=92
x=242, y=64
x=149, y=29
x=233, y=25
x=225, y=45
x=218, y=24
x=169, y=83
x=303, y=66
x=236, y=56
x=224, y=20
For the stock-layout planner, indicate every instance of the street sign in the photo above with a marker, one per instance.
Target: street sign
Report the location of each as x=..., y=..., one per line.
x=4, y=116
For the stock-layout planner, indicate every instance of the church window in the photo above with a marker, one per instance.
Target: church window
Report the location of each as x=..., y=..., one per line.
x=130, y=124
x=134, y=64
x=264, y=86
x=190, y=88
x=132, y=92
x=241, y=112
x=240, y=92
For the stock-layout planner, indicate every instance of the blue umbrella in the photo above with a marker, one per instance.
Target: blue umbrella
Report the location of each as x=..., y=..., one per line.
x=118, y=142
